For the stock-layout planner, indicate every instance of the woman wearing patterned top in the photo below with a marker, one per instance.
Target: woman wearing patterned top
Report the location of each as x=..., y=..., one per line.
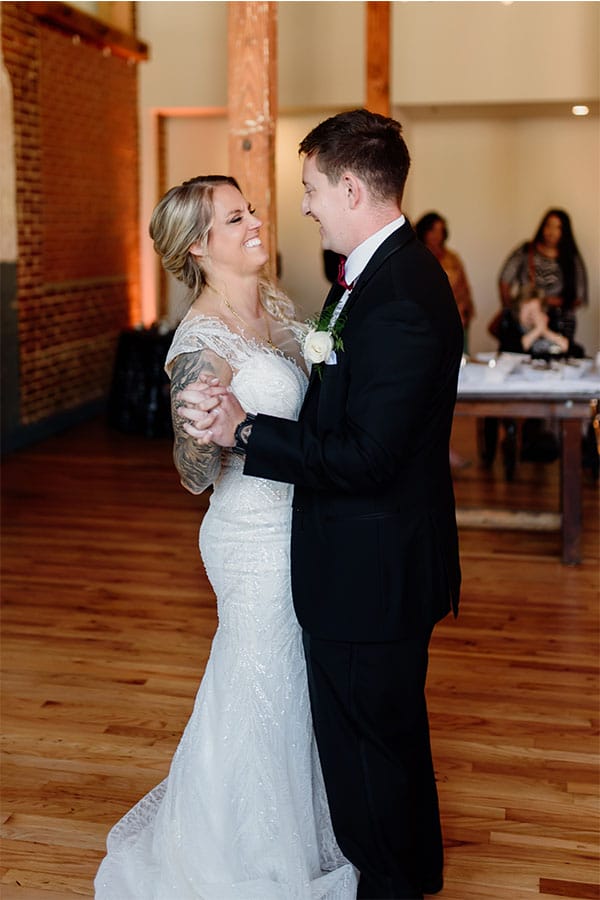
x=549, y=267
x=546, y=276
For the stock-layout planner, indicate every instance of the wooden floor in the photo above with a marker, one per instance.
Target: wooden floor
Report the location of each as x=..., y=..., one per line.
x=107, y=625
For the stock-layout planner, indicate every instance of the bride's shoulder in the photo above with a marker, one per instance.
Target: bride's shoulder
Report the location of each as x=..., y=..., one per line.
x=198, y=331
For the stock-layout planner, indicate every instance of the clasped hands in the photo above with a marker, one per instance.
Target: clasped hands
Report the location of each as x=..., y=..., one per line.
x=212, y=411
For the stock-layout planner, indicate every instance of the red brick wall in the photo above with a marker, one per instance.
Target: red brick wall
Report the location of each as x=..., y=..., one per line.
x=76, y=145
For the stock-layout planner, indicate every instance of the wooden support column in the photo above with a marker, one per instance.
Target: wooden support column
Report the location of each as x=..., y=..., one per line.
x=378, y=57
x=252, y=105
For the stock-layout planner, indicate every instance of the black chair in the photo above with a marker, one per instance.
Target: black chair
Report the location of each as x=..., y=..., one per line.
x=139, y=399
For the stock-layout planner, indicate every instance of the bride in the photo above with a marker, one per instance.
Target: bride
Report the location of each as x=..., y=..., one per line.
x=243, y=813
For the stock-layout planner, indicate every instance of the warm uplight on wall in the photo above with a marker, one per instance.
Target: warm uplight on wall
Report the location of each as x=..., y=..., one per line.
x=580, y=110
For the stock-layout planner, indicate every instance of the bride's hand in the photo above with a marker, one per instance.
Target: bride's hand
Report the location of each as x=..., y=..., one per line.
x=213, y=412
x=198, y=403
x=203, y=395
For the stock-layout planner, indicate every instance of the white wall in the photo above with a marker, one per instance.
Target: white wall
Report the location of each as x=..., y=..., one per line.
x=490, y=169
x=187, y=68
x=194, y=146
x=321, y=54
x=493, y=179
x=494, y=52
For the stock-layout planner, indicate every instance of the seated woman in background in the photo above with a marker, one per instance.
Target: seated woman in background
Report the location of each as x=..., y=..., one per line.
x=432, y=230
x=549, y=267
x=526, y=328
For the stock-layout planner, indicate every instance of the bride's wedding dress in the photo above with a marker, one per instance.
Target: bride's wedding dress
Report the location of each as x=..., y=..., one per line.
x=243, y=813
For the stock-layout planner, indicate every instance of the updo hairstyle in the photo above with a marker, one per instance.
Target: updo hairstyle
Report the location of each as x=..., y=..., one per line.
x=183, y=217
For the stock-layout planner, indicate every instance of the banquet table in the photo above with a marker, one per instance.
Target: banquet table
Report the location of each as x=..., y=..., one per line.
x=511, y=385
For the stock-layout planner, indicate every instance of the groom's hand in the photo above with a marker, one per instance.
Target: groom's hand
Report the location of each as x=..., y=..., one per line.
x=213, y=412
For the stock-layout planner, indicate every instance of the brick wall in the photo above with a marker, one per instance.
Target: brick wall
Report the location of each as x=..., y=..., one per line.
x=76, y=147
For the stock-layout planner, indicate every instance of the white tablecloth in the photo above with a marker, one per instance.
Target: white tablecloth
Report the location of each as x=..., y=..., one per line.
x=515, y=374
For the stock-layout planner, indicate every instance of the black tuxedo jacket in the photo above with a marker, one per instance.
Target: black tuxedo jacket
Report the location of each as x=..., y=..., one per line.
x=374, y=538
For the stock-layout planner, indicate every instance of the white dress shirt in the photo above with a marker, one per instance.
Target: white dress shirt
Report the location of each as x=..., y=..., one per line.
x=358, y=259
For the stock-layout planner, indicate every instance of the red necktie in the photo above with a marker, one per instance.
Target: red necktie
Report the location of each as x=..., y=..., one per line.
x=341, y=276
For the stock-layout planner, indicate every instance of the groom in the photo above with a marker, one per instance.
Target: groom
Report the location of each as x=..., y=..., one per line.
x=374, y=541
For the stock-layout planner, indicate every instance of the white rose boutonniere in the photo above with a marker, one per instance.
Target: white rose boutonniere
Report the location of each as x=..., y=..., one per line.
x=323, y=339
x=317, y=346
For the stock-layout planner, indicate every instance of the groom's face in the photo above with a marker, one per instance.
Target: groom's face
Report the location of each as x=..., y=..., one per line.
x=327, y=204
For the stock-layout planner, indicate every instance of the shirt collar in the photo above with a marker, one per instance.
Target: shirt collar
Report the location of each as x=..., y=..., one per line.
x=361, y=255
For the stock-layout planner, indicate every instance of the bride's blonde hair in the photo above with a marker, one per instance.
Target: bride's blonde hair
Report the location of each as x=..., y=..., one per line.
x=183, y=217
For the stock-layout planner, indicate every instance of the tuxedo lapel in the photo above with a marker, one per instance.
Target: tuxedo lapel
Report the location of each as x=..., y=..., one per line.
x=335, y=293
x=393, y=244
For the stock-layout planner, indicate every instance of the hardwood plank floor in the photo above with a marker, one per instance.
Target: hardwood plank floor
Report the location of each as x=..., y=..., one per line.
x=107, y=624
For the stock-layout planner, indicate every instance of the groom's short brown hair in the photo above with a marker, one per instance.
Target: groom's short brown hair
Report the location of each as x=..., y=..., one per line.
x=365, y=143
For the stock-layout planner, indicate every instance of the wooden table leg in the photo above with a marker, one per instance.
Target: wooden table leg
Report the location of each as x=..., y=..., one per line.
x=570, y=488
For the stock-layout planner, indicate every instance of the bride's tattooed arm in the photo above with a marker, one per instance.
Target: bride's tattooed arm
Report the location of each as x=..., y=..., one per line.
x=198, y=464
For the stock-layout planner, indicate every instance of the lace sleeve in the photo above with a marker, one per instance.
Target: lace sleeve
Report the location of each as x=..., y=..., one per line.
x=206, y=333
x=193, y=353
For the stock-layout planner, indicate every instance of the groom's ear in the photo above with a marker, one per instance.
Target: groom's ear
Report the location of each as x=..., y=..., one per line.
x=353, y=188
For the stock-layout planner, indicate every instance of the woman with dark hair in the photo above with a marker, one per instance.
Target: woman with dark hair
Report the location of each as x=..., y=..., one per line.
x=541, y=283
x=550, y=268
x=432, y=230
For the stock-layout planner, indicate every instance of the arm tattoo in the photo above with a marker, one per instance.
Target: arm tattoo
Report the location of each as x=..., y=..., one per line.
x=198, y=465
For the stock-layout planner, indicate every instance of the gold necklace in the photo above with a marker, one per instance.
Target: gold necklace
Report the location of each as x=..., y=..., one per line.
x=235, y=313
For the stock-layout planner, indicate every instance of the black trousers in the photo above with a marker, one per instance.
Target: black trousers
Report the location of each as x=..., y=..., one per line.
x=370, y=720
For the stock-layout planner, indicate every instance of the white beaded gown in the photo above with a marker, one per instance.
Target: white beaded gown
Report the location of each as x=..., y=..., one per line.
x=243, y=813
